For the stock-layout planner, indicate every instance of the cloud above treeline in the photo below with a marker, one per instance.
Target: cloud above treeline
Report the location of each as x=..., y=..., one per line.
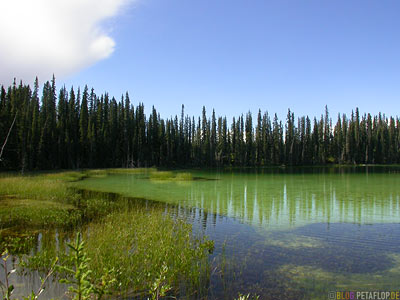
x=42, y=37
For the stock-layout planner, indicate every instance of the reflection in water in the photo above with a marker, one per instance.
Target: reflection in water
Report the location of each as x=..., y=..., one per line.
x=26, y=281
x=282, y=235
x=273, y=200
x=301, y=263
x=308, y=231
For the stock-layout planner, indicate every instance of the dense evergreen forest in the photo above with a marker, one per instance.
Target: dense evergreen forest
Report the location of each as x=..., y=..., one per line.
x=79, y=129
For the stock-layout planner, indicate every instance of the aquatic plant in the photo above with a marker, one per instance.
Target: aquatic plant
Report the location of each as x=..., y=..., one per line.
x=8, y=289
x=169, y=175
x=37, y=214
x=47, y=201
x=148, y=246
x=247, y=297
x=96, y=173
x=50, y=187
x=184, y=176
x=130, y=170
x=151, y=261
x=147, y=252
x=16, y=243
x=161, y=175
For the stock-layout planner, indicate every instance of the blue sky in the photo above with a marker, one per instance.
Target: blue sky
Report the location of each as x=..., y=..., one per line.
x=236, y=56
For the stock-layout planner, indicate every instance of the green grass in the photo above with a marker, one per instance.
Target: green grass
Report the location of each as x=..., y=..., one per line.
x=171, y=176
x=141, y=243
x=25, y=213
x=184, y=176
x=161, y=175
x=44, y=187
x=148, y=249
x=38, y=201
x=96, y=173
x=130, y=170
x=47, y=200
x=67, y=175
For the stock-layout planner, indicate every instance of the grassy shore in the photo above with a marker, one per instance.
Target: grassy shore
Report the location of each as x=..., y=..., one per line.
x=38, y=201
x=141, y=245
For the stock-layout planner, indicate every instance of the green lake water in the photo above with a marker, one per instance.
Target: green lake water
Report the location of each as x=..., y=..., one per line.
x=286, y=233
x=275, y=199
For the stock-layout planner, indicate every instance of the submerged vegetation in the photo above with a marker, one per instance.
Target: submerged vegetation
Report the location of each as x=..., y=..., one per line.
x=83, y=283
x=136, y=248
x=152, y=245
x=146, y=251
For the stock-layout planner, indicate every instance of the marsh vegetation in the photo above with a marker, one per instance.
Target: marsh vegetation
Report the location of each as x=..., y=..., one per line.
x=276, y=232
x=137, y=244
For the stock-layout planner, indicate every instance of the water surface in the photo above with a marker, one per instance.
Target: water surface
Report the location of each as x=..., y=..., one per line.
x=286, y=233
x=274, y=198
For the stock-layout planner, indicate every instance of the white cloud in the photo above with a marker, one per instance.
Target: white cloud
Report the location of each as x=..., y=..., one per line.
x=42, y=37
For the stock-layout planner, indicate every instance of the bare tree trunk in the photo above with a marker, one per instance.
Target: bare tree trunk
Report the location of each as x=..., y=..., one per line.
x=8, y=134
x=23, y=164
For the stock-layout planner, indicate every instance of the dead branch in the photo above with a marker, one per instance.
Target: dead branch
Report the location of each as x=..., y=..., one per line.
x=8, y=134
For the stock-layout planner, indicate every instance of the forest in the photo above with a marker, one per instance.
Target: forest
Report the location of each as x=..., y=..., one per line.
x=72, y=129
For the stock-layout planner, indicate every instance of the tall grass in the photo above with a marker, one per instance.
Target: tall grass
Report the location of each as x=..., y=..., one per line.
x=146, y=244
x=184, y=176
x=169, y=175
x=152, y=253
x=46, y=199
x=148, y=252
x=44, y=187
x=38, y=200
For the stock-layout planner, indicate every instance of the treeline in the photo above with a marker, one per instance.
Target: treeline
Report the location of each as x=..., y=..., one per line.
x=79, y=129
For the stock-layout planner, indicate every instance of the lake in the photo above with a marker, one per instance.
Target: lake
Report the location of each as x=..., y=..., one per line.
x=295, y=233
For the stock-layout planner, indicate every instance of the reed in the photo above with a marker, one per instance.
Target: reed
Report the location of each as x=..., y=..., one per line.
x=146, y=245
x=152, y=253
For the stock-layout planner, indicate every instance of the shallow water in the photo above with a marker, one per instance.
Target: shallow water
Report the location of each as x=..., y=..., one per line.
x=280, y=233
x=287, y=233
x=274, y=198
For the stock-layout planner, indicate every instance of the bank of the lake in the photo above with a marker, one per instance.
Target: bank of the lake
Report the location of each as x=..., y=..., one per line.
x=136, y=242
x=293, y=233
